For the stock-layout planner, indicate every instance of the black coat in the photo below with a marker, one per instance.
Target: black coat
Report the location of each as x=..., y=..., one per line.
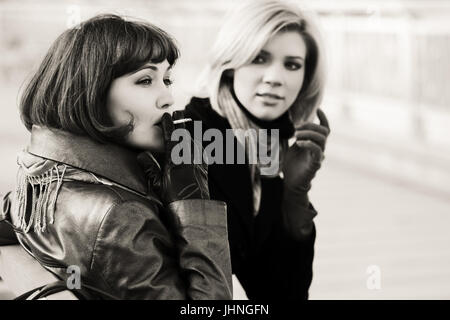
x=268, y=263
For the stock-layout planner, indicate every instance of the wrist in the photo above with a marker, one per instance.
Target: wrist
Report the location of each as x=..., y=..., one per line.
x=297, y=197
x=298, y=215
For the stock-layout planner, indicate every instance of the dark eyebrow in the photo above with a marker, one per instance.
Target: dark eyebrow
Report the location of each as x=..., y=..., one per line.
x=147, y=66
x=151, y=67
x=295, y=57
x=264, y=52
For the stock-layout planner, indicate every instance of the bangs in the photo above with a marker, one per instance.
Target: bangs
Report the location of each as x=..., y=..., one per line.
x=140, y=44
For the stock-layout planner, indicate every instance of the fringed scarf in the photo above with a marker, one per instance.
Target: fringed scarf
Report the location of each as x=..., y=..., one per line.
x=38, y=183
x=240, y=118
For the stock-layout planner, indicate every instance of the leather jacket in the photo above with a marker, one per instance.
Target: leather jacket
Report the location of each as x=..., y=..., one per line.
x=117, y=231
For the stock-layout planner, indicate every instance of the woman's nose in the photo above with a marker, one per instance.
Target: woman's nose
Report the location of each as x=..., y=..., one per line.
x=165, y=100
x=273, y=75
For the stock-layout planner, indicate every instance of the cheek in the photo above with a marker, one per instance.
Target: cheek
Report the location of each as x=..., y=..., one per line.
x=245, y=81
x=145, y=134
x=119, y=117
x=125, y=100
x=295, y=85
x=124, y=105
x=119, y=103
x=116, y=112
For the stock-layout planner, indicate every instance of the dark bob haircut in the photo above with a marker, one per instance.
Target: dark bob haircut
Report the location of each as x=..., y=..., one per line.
x=69, y=89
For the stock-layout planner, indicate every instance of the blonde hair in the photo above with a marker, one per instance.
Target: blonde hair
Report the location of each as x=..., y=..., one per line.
x=246, y=30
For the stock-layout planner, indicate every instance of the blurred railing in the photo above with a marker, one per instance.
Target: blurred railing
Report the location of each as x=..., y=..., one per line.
x=402, y=58
x=388, y=89
x=397, y=50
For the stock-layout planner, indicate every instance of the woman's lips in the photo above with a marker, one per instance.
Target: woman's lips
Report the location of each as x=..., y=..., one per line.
x=269, y=99
x=270, y=95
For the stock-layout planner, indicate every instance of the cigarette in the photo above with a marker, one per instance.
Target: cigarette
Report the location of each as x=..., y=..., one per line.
x=182, y=120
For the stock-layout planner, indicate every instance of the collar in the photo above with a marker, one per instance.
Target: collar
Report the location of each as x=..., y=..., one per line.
x=108, y=160
x=201, y=109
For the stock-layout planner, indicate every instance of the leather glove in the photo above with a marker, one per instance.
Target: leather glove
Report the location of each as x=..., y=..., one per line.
x=302, y=161
x=175, y=182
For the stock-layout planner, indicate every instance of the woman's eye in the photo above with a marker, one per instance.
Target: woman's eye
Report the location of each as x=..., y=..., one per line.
x=145, y=82
x=168, y=82
x=259, y=59
x=293, y=66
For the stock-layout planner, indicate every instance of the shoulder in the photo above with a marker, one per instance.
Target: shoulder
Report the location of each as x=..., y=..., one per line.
x=108, y=227
x=86, y=213
x=199, y=102
x=198, y=108
x=88, y=203
x=104, y=212
x=130, y=219
x=98, y=192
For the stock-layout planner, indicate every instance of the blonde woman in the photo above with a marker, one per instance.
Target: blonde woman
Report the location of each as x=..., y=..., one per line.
x=266, y=72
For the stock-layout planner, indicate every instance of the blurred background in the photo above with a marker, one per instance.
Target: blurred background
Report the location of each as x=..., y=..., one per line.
x=383, y=193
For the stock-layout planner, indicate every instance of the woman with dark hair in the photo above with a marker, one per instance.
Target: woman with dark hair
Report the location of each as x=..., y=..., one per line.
x=90, y=191
x=264, y=81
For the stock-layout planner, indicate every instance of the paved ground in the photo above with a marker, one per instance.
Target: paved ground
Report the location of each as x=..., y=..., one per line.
x=366, y=221
x=379, y=214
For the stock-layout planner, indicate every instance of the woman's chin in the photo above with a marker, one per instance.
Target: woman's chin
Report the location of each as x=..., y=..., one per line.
x=150, y=140
x=267, y=116
x=155, y=144
x=159, y=148
x=266, y=113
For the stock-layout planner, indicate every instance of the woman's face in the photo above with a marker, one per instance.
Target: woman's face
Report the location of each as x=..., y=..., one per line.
x=269, y=85
x=145, y=94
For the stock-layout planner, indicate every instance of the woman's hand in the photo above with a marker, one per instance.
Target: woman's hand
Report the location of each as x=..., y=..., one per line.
x=176, y=181
x=305, y=157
